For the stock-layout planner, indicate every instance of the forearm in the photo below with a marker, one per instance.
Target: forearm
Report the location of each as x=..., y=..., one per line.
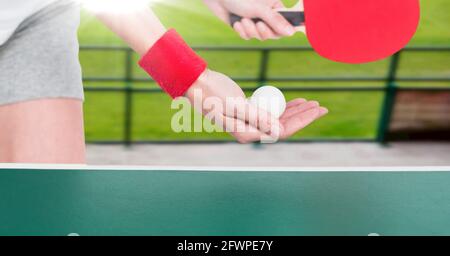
x=139, y=29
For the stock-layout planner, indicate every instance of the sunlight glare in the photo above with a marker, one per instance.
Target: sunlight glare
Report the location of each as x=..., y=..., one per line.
x=116, y=6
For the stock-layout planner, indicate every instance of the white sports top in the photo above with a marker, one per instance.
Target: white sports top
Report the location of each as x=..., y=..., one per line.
x=14, y=12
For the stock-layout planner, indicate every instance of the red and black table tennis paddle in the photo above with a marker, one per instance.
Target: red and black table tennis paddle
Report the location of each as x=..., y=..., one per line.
x=355, y=31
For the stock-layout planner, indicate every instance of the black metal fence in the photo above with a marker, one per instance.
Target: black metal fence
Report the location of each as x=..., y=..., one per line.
x=390, y=81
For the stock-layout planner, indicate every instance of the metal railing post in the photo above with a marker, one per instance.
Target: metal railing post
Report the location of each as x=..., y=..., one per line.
x=389, y=99
x=128, y=101
x=265, y=53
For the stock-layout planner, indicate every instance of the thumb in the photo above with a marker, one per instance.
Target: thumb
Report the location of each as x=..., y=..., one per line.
x=219, y=11
x=223, y=14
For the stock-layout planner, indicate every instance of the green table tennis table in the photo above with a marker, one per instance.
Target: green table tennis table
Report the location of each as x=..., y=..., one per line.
x=83, y=200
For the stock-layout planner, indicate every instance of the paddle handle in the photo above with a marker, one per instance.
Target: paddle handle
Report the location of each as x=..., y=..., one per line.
x=295, y=18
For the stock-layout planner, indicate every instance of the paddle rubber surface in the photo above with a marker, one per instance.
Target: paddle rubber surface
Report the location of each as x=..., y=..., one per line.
x=360, y=31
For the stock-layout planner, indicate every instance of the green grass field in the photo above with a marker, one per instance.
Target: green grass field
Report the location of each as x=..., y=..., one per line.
x=352, y=115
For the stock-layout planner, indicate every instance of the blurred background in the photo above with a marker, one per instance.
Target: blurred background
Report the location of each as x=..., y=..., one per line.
x=391, y=112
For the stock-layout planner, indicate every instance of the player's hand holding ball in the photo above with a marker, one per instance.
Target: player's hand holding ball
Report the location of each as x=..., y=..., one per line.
x=250, y=120
x=235, y=114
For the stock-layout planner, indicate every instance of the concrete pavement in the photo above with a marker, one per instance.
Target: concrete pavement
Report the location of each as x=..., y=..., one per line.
x=282, y=155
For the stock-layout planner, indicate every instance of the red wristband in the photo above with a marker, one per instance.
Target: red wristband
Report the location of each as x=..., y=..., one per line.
x=173, y=64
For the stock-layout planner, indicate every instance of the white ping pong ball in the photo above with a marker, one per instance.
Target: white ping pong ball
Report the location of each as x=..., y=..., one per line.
x=270, y=99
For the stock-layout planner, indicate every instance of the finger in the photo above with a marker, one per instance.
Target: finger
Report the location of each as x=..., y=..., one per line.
x=277, y=22
x=291, y=105
x=299, y=121
x=265, y=32
x=243, y=132
x=294, y=103
x=323, y=111
x=262, y=120
x=250, y=28
x=240, y=30
x=300, y=108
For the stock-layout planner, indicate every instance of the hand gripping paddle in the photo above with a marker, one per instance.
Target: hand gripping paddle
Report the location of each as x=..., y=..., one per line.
x=355, y=31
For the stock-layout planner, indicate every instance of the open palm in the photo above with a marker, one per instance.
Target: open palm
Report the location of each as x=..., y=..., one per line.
x=299, y=114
